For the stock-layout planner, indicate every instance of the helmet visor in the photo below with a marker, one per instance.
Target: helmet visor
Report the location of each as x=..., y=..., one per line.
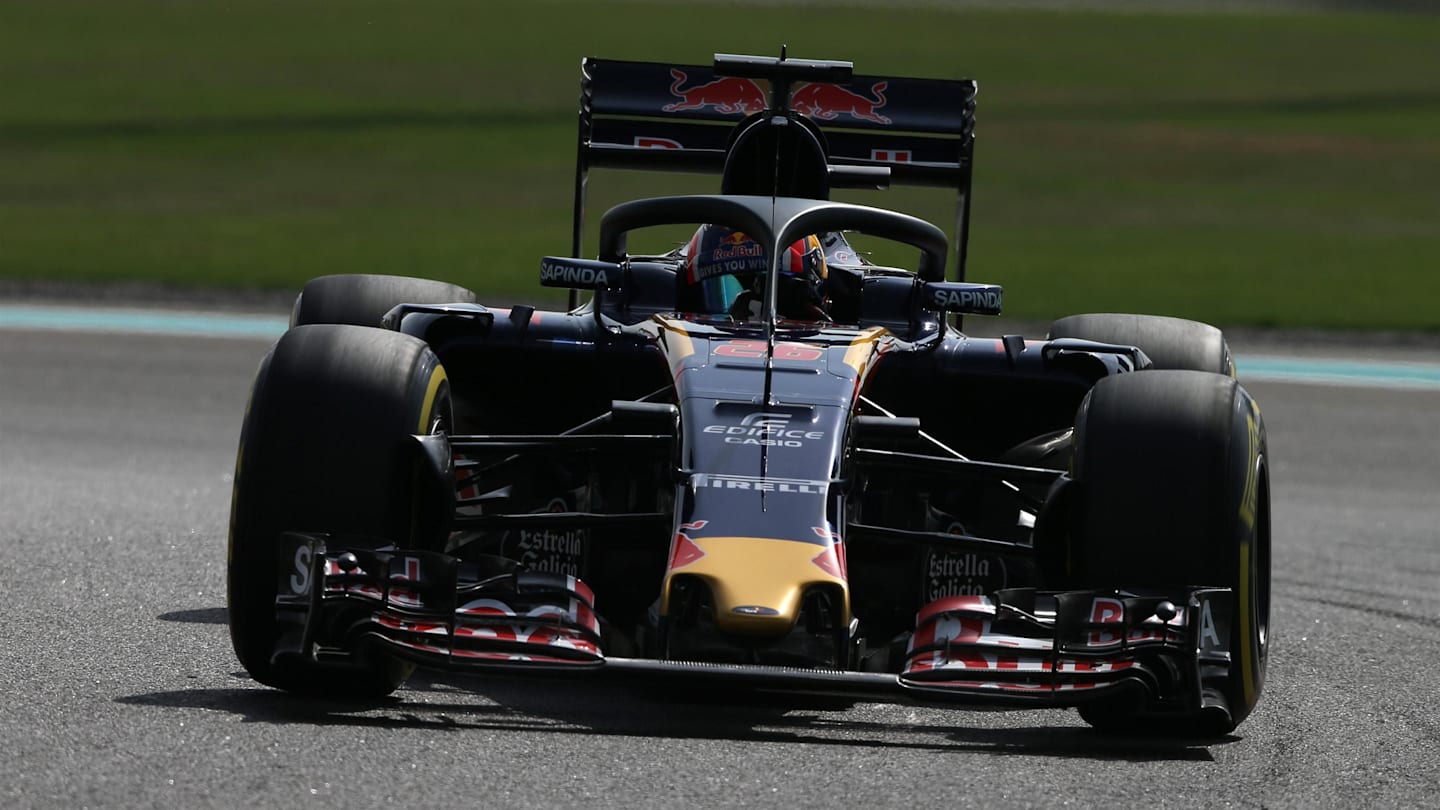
x=718, y=293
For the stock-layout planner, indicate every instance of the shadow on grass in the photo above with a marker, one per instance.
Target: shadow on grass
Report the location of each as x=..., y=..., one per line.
x=1204, y=109
x=318, y=122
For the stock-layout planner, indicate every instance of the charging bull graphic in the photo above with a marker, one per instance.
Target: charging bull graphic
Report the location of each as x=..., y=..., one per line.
x=731, y=95
x=728, y=95
x=825, y=102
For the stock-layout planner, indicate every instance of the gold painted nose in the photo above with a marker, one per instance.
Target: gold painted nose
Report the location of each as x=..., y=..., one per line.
x=757, y=582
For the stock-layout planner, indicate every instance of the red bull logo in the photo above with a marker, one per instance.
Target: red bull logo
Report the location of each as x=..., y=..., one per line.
x=743, y=250
x=826, y=102
x=735, y=252
x=727, y=95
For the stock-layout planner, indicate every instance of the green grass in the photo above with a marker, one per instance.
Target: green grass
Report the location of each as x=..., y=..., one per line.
x=1276, y=169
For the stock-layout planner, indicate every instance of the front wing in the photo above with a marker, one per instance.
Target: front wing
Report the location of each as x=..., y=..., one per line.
x=1013, y=647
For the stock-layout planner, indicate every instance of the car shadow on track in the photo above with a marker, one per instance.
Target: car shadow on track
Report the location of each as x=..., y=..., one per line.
x=577, y=707
x=215, y=615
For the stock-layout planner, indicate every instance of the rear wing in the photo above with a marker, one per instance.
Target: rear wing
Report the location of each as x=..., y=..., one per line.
x=656, y=116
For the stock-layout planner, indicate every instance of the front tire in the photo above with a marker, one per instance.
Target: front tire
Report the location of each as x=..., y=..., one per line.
x=1171, y=469
x=1170, y=343
x=325, y=447
x=363, y=299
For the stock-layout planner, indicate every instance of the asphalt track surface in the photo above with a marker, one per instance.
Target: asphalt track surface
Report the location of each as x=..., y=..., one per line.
x=118, y=687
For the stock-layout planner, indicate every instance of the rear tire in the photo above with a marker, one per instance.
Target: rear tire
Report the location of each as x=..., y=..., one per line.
x=363, y=300
x=325, y=447
x=1170, y=343
x=1172, y=490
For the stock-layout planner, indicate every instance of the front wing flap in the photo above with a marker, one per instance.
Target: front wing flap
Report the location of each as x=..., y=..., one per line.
x=432, y=609
x=1028, y=642
x=1012, y=647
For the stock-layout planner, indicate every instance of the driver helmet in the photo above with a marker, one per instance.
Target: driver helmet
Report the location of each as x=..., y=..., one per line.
x=726, y=270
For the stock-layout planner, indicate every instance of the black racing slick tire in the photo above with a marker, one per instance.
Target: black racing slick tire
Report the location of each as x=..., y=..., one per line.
x=1170, y=343
x=363, y=300
x=325, y=447
x=1172, y=491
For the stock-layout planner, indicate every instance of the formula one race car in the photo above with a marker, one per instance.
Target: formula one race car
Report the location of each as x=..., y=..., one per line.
x=758, y=458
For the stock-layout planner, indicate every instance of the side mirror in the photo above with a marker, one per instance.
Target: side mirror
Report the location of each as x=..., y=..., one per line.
x=962, y=296
x=580, y=274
